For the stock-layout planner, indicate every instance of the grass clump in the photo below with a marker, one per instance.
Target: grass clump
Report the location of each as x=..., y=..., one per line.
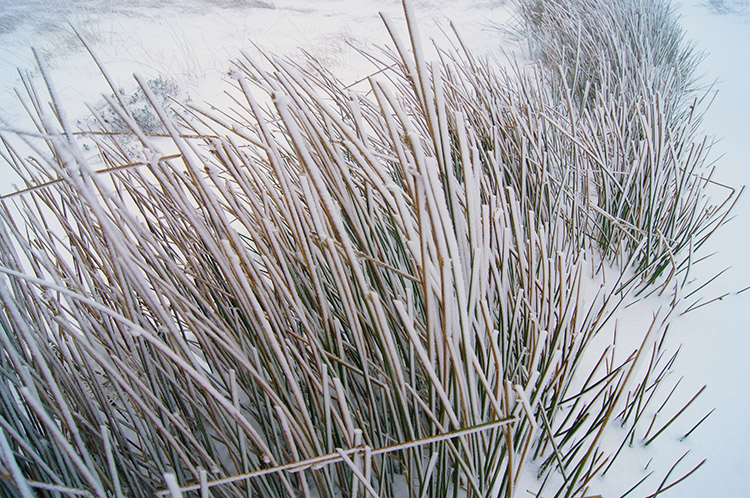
x=626, y=75
x=164, y=89
x=329, y=292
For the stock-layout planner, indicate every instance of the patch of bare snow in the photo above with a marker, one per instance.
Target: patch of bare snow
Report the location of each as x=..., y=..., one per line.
x=716, y=338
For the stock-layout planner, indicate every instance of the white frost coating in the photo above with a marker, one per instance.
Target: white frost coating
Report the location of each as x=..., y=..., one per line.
x=421, y=65
x=344, y=407
x=59, y=110
x=31, y=343
x=531, y=383
x=93, y=480
x=321, y=188
x=524, y=399
x=425, y=360
x=158, y=344
x=393, y=32
x=387, y=335
x=15, y=471
x=172, y=485
x=540, y=346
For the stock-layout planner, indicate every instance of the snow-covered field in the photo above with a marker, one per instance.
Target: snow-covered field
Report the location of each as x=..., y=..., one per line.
x=191, y=42
x=715, y=338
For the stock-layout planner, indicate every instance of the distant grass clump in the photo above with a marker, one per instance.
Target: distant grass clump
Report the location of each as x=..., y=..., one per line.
x=140, y=109
x=728, y=6
x=626, y=75
x=380, y=291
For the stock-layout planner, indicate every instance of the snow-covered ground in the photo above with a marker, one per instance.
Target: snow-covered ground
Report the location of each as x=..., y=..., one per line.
x=191, y=42
x=716, y=338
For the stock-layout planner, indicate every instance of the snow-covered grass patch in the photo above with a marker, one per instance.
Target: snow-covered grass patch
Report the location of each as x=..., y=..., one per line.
x=728, y=6
x=411, y=285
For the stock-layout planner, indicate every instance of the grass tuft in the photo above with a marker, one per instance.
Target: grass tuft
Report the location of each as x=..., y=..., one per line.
x=371, y=290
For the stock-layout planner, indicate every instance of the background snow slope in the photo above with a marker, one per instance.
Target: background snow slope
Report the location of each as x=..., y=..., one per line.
x=192, y=41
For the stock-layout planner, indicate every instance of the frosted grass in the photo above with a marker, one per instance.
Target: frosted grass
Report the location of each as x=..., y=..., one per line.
x=331, y=290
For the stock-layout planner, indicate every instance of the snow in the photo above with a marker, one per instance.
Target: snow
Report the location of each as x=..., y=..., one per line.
x=715, y=338
x=193, y=41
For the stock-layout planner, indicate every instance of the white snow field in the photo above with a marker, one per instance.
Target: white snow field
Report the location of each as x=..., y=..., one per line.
x=715, y=338
x=189, y=44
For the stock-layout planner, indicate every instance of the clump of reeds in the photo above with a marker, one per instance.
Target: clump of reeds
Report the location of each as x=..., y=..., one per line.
x=323, y=291
x=624, y=75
